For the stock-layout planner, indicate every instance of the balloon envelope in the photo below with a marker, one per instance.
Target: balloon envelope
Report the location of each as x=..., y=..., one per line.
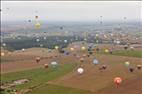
x=37, y=25
x=54, y=63
x=95, y=61
x=127, y=63
x=117, y=80
x=80, y=70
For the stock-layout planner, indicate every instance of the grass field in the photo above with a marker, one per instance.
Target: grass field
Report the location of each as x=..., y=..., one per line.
x=130, y=53
x=41, y=77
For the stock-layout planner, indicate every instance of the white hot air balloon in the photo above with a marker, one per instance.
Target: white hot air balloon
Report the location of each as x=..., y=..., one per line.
x=54, y=63
x=80, y=70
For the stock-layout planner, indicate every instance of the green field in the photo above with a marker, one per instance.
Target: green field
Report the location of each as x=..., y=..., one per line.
x=130, y=53
x=40, y=77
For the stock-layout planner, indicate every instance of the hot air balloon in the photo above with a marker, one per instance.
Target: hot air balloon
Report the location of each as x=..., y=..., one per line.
x=81, y=59
x=2, y=53
x=80, y=70
x=61, y=28
x=90, y=52
x=38, y=59
x=126, y=47
x=65, y=41
x=37, y=25
x=23, y=50
x=84, y=55
x=104, y=67
x=97, y=49
x=139, y=67
x=54, y=63
x=72, y=49
x=56, y=47
x=131, y=69
x=117, y=81
x=95, y=61
x=37, y=40
x=45, y=66
x=4, y=44
x=83, y=48
x=106, y=50
x=36, y=17
x=127, y=63
x=29, y=20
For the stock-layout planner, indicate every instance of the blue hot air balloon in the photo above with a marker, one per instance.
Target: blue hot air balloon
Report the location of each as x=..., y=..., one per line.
x=95, y=61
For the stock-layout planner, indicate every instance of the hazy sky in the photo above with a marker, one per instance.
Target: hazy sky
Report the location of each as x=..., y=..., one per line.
x=71, y=10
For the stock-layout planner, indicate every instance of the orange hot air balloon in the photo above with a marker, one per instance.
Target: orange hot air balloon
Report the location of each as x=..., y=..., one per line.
x=117, y=81
x=38, y=59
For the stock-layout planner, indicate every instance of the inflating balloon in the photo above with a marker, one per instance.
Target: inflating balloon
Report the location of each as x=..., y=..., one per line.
x=80, y=70
x=117, y=81
x=95, y=61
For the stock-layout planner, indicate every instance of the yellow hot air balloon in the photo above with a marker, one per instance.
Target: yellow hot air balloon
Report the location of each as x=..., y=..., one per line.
x=106, y=50
x=56, y=47
x=37, y=25
x=83, y=48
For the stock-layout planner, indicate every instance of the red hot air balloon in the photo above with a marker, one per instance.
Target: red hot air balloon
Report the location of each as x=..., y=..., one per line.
x=38, y=59
x=117, y=81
